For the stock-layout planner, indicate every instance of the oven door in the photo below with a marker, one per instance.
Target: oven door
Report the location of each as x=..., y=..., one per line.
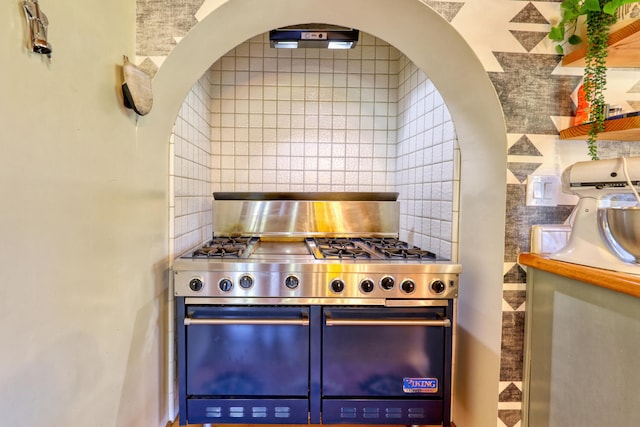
x=385, y=365
x=247, y=363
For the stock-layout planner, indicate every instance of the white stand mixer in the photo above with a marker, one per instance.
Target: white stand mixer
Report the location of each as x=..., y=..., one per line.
x=596, y=182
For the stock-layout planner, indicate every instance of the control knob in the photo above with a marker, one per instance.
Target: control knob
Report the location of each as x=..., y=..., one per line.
x=291, y=282
x=245, y=281
x=408, y=286
x=337, y=285
x=196, y=284
x=438, y=286
x=367, y=285
x=225, y=285
x=387, y=283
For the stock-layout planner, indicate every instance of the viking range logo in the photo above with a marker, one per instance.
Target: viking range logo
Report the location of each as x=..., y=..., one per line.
x=420, y=385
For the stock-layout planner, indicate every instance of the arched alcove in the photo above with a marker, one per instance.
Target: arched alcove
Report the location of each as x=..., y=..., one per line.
x=437, y=49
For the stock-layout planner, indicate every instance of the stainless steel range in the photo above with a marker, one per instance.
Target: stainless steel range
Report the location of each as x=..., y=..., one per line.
x=307, y=308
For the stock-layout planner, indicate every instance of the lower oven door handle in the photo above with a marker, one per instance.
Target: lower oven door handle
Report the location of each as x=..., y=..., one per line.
x=443, y=323
x=304, y=321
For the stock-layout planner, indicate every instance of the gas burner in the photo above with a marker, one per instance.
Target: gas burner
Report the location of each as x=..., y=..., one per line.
x=381, y=243
x=224, y=247
x=335, y=243
x=395, y=248
x=219, y=251
x=330, y=252
x=339, y=248
x=227, y=240
x=409, y=253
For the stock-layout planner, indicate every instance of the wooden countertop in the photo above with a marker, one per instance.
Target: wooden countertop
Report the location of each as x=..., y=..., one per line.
x=620, y=282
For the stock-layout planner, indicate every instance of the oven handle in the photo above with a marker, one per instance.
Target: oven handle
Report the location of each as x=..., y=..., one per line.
x=442, y=323
x=304, y=321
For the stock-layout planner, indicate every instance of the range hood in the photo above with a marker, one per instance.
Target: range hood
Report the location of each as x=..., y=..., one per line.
x=314, y=36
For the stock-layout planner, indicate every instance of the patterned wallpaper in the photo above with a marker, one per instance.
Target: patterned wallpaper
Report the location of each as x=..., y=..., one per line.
x=536, y=96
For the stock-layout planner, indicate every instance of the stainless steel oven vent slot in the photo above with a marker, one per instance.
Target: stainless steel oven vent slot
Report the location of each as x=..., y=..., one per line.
x=259, y=412
x=282, y=412
x=370, y=413
x=236, y=412
x=393, y=413
x=213, y=411
x=348, y=412
x=416, y=413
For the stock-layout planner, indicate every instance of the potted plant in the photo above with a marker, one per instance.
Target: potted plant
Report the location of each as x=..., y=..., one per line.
x=598, y=15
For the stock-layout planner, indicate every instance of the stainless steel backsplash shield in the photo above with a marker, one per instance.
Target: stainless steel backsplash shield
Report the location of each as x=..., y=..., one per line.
x=292, y=218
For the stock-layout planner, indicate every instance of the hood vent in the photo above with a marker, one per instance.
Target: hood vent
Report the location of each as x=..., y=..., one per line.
x=314, y=36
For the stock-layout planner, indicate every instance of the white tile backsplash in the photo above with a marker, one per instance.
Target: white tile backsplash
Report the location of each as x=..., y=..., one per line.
x=425, y=172
x=365, y=119
x=310, y=97
x=191, y=167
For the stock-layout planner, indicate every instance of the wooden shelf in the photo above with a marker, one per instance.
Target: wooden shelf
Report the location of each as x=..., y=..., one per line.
x=625, y=129
x=624, y=49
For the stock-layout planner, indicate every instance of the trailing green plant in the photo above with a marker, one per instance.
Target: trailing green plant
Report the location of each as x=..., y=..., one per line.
x=599, y=16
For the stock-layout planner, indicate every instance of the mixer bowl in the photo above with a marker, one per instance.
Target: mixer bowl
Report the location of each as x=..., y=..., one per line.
x=620, y=228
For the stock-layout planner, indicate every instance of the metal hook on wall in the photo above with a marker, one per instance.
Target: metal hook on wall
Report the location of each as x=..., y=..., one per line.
x=37, y=22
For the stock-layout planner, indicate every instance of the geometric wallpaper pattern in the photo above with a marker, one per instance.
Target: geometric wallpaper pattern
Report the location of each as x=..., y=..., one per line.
x=533, y=96
x=530, y=96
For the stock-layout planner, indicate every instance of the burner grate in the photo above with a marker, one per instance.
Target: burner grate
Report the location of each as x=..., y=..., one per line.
x=340, y=242
x=219, y=251
x=395, y=248
x=339, y=248
x=339, y=253
x=408, y=253
x=233, y=241
x=223, y=247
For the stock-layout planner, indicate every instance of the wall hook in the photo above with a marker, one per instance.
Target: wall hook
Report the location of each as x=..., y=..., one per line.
x=38, y=23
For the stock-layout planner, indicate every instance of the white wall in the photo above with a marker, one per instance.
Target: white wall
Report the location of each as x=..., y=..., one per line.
x=83, y=259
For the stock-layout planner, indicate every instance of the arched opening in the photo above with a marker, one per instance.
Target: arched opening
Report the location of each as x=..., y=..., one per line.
x=437, y=49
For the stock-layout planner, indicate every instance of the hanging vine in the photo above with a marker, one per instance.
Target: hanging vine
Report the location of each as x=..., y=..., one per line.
x=600, y=15
x=595, y=74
